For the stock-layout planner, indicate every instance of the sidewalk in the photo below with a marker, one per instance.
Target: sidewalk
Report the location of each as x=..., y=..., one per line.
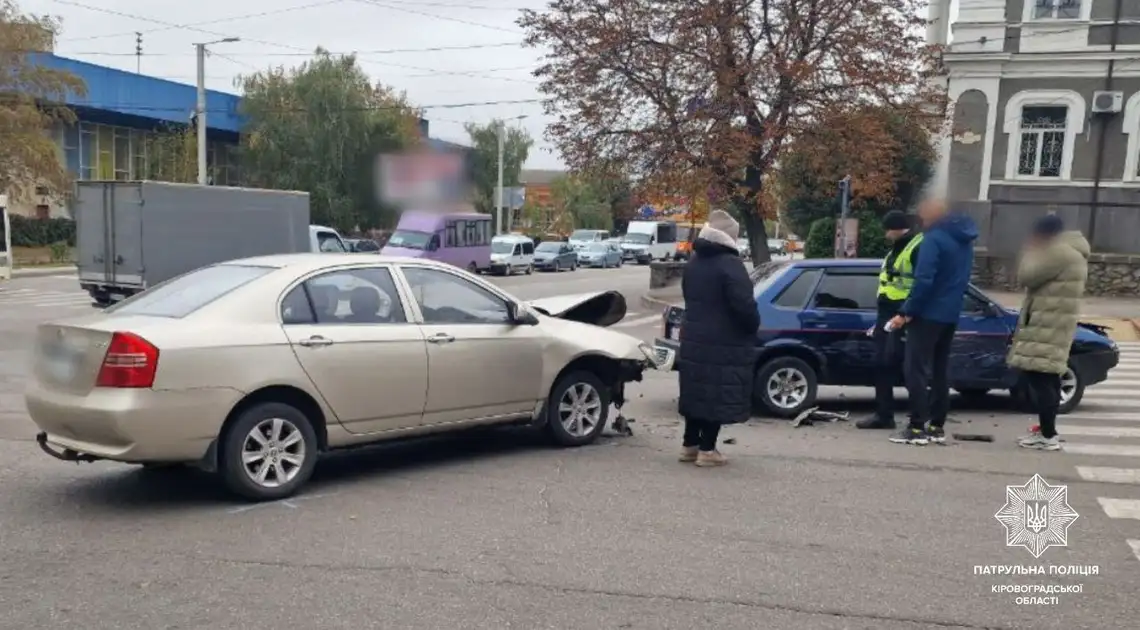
x=1120, y=315
x=45, y=270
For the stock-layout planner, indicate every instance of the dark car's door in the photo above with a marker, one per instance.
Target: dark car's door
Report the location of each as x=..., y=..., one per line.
x=836, y=321
x=977, y=359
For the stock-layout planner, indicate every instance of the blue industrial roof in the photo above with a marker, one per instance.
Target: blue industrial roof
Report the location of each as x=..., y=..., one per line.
x=133, y=94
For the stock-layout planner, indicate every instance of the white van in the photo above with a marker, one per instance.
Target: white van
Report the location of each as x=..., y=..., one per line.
x=511, y=253
x=649, y=240
x=579, y=239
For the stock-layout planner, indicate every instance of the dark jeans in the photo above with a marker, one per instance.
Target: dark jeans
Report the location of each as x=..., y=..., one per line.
x=701, y=434
x=1045, y=394
x=927, y=366
x=888, y=362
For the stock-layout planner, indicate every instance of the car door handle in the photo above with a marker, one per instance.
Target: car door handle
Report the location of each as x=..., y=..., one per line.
x=315, y=342
x=440, y=338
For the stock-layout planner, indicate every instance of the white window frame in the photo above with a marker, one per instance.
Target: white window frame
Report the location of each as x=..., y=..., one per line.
x=1132, y=129
x=1030, y=5
x=1074, y=126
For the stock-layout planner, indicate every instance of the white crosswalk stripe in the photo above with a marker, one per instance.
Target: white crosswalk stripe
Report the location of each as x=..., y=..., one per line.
x=1103, y=437
x=12, y=299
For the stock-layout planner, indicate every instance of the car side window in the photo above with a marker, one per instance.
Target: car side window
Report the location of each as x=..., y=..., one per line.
x=349, y=296
x=973, y=305
x=528, y=248
x=849, y=292
x=796, y=294
x=445, y=298
x=518, y=250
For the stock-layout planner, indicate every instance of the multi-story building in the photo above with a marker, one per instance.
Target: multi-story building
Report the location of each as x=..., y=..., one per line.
x=1045, y=102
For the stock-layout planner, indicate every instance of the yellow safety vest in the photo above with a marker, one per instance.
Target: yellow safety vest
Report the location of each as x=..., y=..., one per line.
x=895, y=283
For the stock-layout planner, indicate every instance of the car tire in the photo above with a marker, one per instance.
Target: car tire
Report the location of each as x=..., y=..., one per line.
x=557, y=267
x=1078, y=384
x=262, y=417
x=787, y=367
x=529, y=269
x=473, y=268
x=563, y=429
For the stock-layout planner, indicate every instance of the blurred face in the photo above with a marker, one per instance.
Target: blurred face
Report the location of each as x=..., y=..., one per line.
x=931, y=211
x=894, y=235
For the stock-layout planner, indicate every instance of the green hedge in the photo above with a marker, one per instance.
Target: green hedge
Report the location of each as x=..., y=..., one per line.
x=820, y=242
x=41, y=232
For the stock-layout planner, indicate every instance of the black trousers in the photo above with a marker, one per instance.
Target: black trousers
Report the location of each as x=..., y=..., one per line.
x=701, y=434
x=927, y=366
x=1045, y=394
x=888, y=363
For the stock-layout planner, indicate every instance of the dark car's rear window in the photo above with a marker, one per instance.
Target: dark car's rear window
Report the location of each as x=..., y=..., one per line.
x=189, y=292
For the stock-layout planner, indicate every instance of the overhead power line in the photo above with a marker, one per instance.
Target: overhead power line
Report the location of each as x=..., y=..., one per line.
x=382, y=51
x=446, y=18
x=149, y=108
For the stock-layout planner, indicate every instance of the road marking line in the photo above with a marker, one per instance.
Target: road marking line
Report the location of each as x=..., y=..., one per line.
x=1135, y=544
x=1084, y=416
x=1116, y=432
x=641, y=321
x=1120, y=508
x=1109, y=475
x=1107, y=450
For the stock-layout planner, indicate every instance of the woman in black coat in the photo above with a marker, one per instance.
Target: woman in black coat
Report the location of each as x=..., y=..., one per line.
x=718, y=337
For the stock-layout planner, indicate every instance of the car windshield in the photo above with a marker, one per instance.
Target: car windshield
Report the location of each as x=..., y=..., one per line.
x=636, y=239
x=181, y=296
x=502, y=247
x=409, y=239
x=549, y=246
x=597, y=247
x=582, y=235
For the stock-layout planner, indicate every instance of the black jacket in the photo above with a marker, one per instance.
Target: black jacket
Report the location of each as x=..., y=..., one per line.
x=718, y=336
x=892, y=306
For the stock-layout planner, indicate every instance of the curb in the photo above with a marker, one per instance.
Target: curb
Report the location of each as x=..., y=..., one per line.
x=33, y=272
x=1135, y=325
x=655, y=303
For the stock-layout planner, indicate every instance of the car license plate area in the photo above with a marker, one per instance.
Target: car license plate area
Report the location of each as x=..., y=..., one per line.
x=60, y=363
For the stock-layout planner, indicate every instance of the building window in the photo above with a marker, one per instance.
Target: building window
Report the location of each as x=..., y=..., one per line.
x=1042, y=141
x=1056, y=9
x=1043, y=127
x=88, y=151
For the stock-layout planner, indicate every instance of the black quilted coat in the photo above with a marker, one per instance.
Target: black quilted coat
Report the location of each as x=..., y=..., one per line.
x=718, y=336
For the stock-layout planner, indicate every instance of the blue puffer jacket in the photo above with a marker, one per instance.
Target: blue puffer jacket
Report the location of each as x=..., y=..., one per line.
x=942, y=272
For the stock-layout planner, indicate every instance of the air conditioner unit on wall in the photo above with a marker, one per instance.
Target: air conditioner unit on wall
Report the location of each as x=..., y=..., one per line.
x=1107, y=102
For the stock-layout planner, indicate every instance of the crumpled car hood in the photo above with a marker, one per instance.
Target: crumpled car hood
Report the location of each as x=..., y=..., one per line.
x=602, y=308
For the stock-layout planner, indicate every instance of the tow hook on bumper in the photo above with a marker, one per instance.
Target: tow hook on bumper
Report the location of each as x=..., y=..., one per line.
x=66, y=454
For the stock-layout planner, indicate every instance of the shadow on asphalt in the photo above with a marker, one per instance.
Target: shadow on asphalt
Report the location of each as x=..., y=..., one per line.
x=127, y=488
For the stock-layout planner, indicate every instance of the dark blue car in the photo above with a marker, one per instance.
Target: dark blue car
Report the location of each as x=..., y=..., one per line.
x=815, y=316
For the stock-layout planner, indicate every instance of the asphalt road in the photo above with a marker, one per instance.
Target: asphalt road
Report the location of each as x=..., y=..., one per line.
x=821, y=527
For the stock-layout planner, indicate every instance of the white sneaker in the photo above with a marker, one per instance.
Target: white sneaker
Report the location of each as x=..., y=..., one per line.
x=1040, y=442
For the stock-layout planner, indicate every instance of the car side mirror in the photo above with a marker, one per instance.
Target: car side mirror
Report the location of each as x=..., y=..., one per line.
x=520, y=315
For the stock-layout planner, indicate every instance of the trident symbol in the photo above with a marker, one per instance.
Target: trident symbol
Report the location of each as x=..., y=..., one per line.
x=1036, y=515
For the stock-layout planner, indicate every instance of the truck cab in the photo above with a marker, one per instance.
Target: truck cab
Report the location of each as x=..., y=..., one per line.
x=326, y=240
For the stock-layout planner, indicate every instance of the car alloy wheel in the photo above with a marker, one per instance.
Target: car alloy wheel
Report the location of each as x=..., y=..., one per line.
x=273, y=452
x=787, y=388
x=1072, y=390
x=577, y=409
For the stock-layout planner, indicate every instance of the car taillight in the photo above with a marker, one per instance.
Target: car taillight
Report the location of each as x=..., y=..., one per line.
x=131, y=361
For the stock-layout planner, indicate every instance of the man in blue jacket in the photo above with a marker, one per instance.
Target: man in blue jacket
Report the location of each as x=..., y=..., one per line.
x=930, y=316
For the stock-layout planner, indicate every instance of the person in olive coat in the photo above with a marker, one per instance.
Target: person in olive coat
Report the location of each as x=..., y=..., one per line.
x=718, y=340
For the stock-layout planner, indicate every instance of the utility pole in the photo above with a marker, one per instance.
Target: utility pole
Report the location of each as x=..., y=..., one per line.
x=200, y=110
x=138, y=52
x=844, y=203
x=499, y=189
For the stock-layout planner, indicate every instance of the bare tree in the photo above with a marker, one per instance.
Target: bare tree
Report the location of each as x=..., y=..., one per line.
x=701, y=95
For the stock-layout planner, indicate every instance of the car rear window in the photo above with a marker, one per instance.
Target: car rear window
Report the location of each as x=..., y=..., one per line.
x=189, y=292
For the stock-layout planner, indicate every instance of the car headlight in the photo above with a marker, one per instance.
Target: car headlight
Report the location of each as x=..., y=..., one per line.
x=647, y=350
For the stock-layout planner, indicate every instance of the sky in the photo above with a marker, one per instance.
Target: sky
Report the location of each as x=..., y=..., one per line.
x=485, y=68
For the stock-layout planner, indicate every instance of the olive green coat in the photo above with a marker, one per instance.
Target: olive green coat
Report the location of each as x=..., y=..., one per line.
x=1054, y=280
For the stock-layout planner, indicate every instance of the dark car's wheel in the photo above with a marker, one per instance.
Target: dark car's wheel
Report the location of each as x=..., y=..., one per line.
x=785, y=386
x=577, y=409
x=269, y=452
x=1072, y=390
x=473, y=268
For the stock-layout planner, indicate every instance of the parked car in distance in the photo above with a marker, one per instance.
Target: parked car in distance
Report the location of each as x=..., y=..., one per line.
x=579, y=239
x=646, y=241
x=604, y=255
x=555, y=256
x=253, y=368
x=511, y=253
x=744, y=247
x=362, y=245
x=777, y=246
x=460, y=239
x=815, y=316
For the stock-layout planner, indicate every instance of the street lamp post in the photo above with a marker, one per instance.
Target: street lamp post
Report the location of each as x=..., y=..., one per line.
x=200, y=110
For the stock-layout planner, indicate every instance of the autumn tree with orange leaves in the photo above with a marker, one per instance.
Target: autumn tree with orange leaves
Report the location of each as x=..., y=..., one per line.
x=689, y=93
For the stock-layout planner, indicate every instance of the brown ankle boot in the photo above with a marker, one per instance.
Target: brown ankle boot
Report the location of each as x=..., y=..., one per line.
x=709, y=459
x=688, y=455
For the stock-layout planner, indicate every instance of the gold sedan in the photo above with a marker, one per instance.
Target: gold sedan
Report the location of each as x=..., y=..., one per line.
x=252, y=368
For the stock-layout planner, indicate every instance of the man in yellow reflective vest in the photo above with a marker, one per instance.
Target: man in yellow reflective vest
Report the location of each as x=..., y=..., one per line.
x=895, y=281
